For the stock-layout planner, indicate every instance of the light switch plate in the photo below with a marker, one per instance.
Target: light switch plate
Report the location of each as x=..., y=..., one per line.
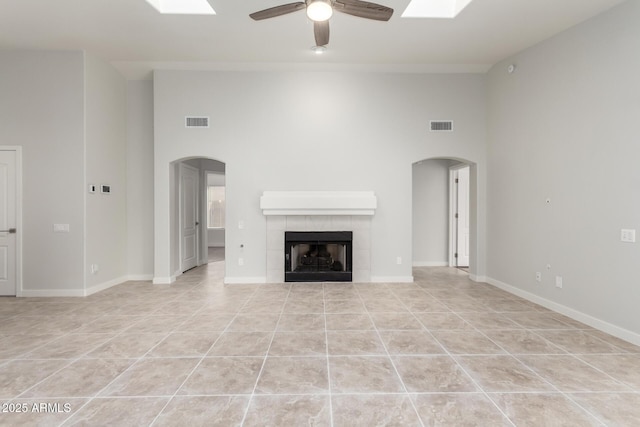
x=60, y=228
x=628, y=236
x=559, y=282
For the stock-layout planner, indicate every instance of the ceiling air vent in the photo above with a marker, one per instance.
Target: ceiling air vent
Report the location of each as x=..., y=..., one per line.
x=441, y=126
x=196, y=122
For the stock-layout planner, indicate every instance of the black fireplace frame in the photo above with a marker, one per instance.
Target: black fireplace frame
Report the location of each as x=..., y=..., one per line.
x=292, y=238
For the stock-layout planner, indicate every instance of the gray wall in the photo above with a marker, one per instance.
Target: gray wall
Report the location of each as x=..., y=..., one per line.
x=66, y=110
x=564, y=126
x=431, y=213
x=140, y=179
x=42, y=110
x=313, y=131
x=106, y=163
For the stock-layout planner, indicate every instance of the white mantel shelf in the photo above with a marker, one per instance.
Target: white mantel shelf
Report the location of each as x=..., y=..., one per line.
x=318, y=203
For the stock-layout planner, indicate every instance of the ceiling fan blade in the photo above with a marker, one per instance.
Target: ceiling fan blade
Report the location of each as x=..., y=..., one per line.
x=321, y=31
x=364, y=9
x=277, y=11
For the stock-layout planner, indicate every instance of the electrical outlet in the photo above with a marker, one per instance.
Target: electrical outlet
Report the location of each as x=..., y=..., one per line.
x=559, y=282
x=399, y=260
x=538, y=276
x=240, y=262
x=94, y=268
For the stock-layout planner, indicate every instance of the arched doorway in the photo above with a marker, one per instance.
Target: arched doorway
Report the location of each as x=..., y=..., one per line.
x=195, y=222
x=436, y=234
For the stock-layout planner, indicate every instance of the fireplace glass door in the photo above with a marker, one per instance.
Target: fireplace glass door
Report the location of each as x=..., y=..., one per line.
x=318, y=256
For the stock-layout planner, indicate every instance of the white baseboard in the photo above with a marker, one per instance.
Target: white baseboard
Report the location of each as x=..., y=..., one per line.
x=105, y=285
x=587, y=319
x=245, y=280
x=140, y=277
x=481, y=279
x=163, y=280
x=431, y=264
x=31, y=293
x=392, y=279
x=54, y=293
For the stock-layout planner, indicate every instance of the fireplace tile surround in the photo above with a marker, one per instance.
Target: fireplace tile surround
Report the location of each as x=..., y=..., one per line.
x=358, y=224
x=319, y=211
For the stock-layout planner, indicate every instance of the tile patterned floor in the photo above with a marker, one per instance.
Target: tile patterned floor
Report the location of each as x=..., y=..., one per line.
x=442, y=351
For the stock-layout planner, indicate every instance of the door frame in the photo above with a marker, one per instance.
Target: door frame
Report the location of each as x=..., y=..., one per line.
x=453, y=205
x=181, y=167
x=205, y=213
x=18, y=150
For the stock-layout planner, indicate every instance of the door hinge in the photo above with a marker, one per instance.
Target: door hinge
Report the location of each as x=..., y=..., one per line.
x=456, y=215
x=455, y=255
x=457, y=180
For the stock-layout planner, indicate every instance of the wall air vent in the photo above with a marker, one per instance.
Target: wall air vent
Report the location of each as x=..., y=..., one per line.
x=196, y=122
x=441, y=126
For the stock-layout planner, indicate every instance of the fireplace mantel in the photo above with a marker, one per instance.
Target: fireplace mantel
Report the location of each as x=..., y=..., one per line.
x=318, y=203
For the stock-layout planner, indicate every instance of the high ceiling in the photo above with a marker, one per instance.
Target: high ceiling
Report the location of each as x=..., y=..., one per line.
x=135, y=38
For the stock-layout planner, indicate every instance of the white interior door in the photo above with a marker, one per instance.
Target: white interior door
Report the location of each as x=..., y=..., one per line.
x=462, y=220
x=189, y=216
x=8, y=241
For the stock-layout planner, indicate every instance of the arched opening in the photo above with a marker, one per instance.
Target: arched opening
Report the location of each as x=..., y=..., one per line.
x=445, y=213
x=197, y=222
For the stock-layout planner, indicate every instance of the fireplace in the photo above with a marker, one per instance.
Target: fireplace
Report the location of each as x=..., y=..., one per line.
x=318, y=256
x=312, y=211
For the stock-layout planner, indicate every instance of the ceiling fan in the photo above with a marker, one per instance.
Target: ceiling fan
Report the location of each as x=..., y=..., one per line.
x=319, y=11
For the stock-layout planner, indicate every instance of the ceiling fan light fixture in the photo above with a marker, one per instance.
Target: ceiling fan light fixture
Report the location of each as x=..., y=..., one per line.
x=319, y=10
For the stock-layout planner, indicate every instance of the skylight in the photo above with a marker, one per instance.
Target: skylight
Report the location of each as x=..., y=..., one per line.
x=434, y=8
x=183, y=7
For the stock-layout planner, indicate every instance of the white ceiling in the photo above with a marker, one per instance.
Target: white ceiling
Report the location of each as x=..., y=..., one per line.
x=136, y=38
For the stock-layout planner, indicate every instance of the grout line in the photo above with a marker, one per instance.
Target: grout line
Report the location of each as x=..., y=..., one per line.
x=97, y=395
x=531, y=369
x=578, y=356
x=386, y=349
x=201, y=359
x=358, y=393
x=195, y=289
x=564, y=394
x=72, y=361
x=264, y=361
x=326, y=344
x=566, y=354
x=477, y=385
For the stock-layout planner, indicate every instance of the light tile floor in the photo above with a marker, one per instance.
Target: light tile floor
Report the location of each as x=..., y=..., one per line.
x=441, y=351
